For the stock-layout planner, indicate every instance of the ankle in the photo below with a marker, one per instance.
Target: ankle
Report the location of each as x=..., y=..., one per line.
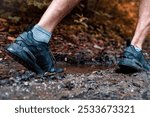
x=137, y=47
x=48, y=27
x=40, y=34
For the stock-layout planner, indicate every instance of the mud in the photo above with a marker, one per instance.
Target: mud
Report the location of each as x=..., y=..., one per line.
x=78, y=82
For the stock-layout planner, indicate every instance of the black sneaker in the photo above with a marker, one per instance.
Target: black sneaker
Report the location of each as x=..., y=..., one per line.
x=33, y=54
x=133, y=60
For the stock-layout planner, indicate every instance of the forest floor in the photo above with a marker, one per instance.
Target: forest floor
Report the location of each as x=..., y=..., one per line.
x=87, y=51
x=78, y=82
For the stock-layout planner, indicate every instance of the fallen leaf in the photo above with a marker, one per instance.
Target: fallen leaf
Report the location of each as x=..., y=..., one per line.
x=2, y=28
x=11, y=38
x=3, y=20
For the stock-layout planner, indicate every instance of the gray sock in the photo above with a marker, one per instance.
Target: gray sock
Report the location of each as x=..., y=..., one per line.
x=137, y=49
x=40, y=34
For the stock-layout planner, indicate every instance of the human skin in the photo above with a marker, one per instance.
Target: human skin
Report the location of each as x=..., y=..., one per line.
x=143, y=25
x=56, y=11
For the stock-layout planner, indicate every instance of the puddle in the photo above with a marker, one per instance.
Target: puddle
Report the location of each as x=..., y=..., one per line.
x=73, y=69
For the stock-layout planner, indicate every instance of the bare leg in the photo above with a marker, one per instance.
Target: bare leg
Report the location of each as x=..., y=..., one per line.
x=133, y=59
x=56, y=12
x=143, y=25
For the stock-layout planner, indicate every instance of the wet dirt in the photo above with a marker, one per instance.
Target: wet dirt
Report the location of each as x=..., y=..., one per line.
x=78, y=82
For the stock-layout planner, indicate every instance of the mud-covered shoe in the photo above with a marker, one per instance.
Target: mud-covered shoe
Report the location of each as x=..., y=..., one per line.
x=133, y=60
x=33, y=54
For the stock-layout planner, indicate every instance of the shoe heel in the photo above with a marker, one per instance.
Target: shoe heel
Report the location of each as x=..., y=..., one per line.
x=17, y=52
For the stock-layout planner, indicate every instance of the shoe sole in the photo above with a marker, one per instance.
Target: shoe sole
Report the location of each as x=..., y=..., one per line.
x=22, y=57
x=130, y=65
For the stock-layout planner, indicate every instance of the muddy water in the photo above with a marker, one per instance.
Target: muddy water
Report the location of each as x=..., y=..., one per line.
x=84, y=69
x=8, y=68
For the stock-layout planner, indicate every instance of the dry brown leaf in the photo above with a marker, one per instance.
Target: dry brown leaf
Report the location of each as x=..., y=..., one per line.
x=11, y=38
